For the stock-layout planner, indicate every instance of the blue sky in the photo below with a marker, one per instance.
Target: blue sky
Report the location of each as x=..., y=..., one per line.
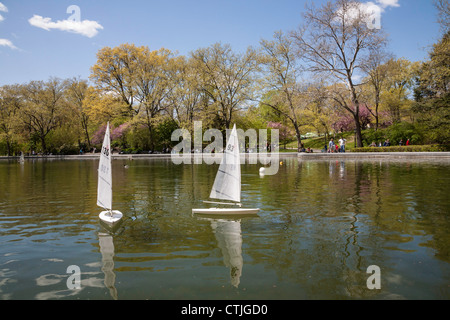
x=36, y=43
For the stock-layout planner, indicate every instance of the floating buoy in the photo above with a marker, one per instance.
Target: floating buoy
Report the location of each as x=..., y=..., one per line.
x=262, y=170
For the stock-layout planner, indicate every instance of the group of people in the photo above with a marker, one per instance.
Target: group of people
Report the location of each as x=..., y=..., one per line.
x=407, y=143
x=334, y=148
x=308, y=150
x=387, y=143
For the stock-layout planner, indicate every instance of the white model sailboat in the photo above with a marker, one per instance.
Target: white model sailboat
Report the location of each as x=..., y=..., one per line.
x=227, y=185
x=104, y=189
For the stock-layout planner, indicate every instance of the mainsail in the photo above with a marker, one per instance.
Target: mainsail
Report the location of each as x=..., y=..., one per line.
x=104, y=189
x=227, y=185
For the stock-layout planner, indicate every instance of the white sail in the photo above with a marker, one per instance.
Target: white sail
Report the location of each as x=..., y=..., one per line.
x=227, y=185
x=104, y=189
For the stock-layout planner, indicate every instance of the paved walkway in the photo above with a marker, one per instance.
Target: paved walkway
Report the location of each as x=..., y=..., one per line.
x=302, y=156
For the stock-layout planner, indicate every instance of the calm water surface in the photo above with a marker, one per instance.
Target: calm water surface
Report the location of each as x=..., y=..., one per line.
x=321, y=225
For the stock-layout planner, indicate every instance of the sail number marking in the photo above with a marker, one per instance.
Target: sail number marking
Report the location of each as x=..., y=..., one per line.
x=105, y=151
x=104, y=169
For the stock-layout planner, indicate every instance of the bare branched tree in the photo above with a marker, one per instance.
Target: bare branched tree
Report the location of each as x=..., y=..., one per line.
x=443, y=7
x=282, y=80
x=335, y=39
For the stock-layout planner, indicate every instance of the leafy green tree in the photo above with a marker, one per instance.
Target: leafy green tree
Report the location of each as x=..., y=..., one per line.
x=432, y=96
x=10, y=103
x=44, y=108
x=226, y=79
x=398, y=86
x=319, y=113
x=114, y=73
x=141, y=78
x=185, y=100
x=76, y=94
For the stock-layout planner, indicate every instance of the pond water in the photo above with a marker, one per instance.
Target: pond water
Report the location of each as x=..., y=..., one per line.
x=321, y=225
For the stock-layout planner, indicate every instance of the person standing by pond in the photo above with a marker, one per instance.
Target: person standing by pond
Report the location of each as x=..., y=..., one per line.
x=331, y=146
x=342, y=144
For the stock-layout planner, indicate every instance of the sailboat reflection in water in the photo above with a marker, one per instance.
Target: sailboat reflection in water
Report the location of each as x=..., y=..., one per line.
x=107, y=250
x=229, y=238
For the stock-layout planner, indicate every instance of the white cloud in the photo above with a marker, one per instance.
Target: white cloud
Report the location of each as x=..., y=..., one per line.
x=358, y=9
x=388, y=3
x=86, y=28
x=370, y=11
x=7, y=43
x=3, y=8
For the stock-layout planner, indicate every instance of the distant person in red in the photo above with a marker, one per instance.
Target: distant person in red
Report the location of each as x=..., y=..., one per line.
x=407, y=142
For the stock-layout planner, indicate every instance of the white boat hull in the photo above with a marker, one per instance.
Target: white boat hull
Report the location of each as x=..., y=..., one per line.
x=109, y=219
x=226, y=211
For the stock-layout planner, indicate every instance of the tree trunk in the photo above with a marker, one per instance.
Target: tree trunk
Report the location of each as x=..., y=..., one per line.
x=358, y=131
x=377, y=103
x=43, y=144
x=299, y=137
x=8, y=147
x=86, y=132
x=355, y=101
x=150, y=134
x=87, y=137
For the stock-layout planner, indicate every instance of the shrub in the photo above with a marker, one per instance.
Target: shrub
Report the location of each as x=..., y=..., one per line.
x=424, y=148
x=67, y=150
x=395, y=133
x=371, y=135
x=403, y=131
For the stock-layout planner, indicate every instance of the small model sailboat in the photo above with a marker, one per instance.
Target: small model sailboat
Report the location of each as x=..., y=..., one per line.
x=227, y=185
x=104, y=189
